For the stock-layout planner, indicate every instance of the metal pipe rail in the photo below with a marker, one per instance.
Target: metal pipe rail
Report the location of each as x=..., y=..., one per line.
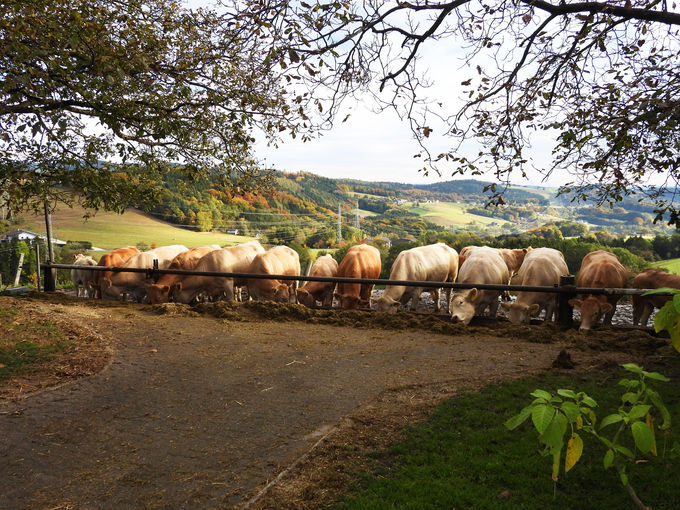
x=565, y=289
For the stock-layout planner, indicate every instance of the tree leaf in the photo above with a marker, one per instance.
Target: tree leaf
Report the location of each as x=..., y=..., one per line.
x=541, y=394
x=643, y=436
x=612, y=418
x=608, y=458
x=518, y=419
x=638, y=411
x=574, y=451
x=542, y=415
x=567, y=393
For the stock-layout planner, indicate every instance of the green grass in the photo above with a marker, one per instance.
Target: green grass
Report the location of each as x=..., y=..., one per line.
x=110, y=230
x=463, y=457
x=27, y=343
x=672, y=265
x=450, y=213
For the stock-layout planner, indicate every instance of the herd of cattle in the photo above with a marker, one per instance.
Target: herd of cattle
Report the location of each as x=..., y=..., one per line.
x=432, y=263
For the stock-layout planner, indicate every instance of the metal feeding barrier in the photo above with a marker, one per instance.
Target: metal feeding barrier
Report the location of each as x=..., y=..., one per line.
x=566, y=288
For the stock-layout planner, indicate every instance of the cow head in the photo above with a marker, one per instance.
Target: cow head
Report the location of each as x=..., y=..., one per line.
x=386, y=304
x=305, y=298
x=175, y=290
x=157, y=293
x=462, y=305
x=347, y=301
x=592, y=309
x=519, y=313
x=281, y=293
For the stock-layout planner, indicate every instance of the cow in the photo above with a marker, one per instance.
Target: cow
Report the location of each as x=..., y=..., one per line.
x=114, y=258
x=513, y=259
x=134, y=284
x=233, y=259
x=311, y=292
x=435, y=263
x=360, y=261
x=486, y=266
x=643, y=306
x=159, y=292
x=541, y=267
x=83, y=277
x=277, y=260
x=599, y=269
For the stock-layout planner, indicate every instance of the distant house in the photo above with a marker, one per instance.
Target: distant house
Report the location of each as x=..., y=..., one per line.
x=25, y=235
x=404, y=240
x=232, y=231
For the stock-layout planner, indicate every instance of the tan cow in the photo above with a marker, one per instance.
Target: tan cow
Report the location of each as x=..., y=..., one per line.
x=115, y=258
x=643, y=306
x=599, y=269
x=83, y=277
x=159, y=292
x=541, y=267
x=134, y=284
x=432, y=263
x=514, y=258
x=278, y=260
x=234, y=259
x=360, y=261
x=311, y=292
x=483, y=265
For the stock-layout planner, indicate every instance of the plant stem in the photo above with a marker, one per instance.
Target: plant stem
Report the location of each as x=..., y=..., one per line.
x=634, y=497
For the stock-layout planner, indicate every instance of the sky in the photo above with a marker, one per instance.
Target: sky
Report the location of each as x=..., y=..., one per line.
x=379, y=146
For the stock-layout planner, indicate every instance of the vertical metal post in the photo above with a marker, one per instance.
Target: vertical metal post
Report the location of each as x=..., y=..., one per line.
x=565, y=312
x=339, y=226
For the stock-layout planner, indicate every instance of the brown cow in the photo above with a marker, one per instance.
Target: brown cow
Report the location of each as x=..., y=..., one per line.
x=115, y=258
x=360, y=261
x=159, y=292
x=311, y=292
x=643, y=306
x=278, y=260
x=599, y=269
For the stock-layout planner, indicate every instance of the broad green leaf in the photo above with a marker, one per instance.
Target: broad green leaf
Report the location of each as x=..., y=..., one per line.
x=638, y=411
x=629, y=397
x=518, y=419
x=676, y=303
x=588, y=401
x=553, y=436
x=567, y=393
x=656, y=375
x=661, y=290
x=571, y=411
x=608, y=458
x=542, y=415
x=612, y=418
x=665, y=317
x=625, y=451
x=624, y=478
x=643, y=436
x=574, y=451
x=675, y=337
x=632, y=367
x=541, y=394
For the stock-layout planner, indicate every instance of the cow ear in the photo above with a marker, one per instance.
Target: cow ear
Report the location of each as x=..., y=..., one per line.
x=474, y=294
x=165, y=288
x=575, y=303
x=533, y=309
x=176, y=287
x=607, y=307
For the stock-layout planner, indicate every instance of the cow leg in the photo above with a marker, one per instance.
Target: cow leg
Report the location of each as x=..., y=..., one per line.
x=608, y=317
x=646, y=312
x=493, y=308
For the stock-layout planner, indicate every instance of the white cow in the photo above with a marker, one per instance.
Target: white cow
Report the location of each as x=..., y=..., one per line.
x=432, y=263
x=541, y=267
x=83, y=277
x=482, y=265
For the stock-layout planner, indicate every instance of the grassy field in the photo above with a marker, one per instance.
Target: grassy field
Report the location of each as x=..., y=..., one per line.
x=109, y=230
x=672, y=265
x=450, y=213
x=464, y=457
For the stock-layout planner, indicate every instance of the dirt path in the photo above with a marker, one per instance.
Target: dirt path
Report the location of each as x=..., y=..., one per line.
x=201, y=412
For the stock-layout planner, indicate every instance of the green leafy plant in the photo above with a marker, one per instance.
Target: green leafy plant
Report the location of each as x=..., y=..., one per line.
x=668, y=316
x=568, y=414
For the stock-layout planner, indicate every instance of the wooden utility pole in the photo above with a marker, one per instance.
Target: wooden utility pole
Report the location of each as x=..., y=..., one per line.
x=339, y=226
